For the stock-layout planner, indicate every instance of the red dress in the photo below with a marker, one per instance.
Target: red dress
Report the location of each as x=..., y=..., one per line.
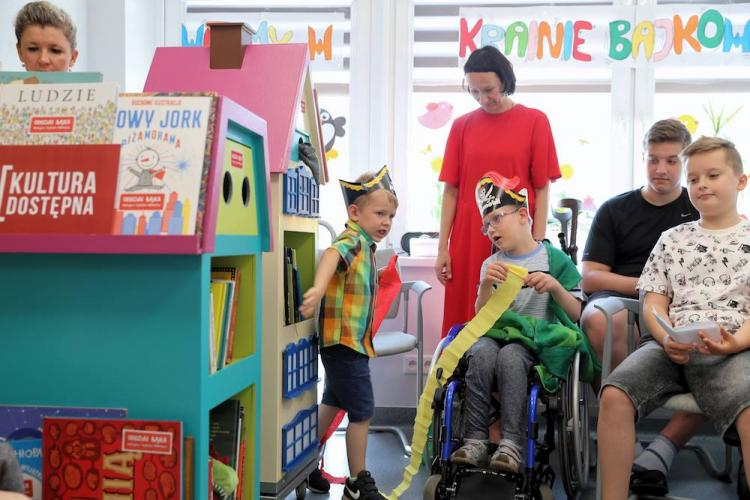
x=517, y=142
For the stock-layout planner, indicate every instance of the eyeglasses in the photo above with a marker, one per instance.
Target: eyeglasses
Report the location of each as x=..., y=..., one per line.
x=477, y=93
x=494, y=219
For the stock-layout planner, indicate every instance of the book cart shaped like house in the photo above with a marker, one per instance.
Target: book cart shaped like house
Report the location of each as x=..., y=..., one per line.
x=122, y=321
x=274, y=82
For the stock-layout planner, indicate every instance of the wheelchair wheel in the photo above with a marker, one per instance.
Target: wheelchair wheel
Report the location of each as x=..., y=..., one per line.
x=544, y=493
x=573, y=433
x=430, y=491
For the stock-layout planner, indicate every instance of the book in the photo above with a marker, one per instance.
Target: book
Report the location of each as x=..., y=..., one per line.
x=290, y=313
x=166, y=144
x=189, y=469
x=31, y=77
x=21, y=426
x=108, y=458
x=297, y=286
x=230, y=274
x=219, y=291
x=224, y=433
x=241, y=454
x=225, y=320
x=60, y=113
x=211, y=333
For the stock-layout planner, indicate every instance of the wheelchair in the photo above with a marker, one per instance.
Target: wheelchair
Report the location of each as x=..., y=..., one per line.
x=567, y=429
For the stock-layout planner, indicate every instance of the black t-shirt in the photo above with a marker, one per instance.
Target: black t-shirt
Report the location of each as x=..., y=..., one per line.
x=626, y=228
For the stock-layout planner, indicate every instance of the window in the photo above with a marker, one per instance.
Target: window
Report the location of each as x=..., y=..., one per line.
x=326, y=27
x=578, y=108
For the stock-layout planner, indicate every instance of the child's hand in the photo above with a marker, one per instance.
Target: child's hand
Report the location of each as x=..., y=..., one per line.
x=542, y=282
x=677, y=351
x=727, y=345
x=497, y=272
x=310, y=301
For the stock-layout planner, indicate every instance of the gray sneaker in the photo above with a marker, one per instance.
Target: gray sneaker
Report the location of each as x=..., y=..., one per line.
x=507, y=458
x=473, y=452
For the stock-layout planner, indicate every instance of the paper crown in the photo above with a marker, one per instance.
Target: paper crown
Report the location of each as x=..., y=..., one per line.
x=494, y=191
x=353, y=190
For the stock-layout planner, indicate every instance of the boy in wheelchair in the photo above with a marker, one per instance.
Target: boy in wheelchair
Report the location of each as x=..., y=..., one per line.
x=549, y=294
x=696, y=272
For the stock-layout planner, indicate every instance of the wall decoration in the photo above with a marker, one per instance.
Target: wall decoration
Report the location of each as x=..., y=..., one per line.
x=437, y=114
x=331, y=128
x=602, y=35
x=566, y=169
x=690, y=122
x=436, y=164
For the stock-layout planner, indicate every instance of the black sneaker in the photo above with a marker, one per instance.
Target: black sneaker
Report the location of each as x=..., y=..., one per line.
x=363, y=488
x=317, y=483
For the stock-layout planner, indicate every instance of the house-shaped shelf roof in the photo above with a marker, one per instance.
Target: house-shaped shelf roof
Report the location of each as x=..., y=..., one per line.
x=269, y=84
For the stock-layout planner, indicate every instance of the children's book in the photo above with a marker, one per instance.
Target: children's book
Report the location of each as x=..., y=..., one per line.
x=224, y=433
x=59, y=113
x=166, y=144
x=21, y=77
x=229, y=274
x=106, y=458
x=289, y=311
x=21, y=426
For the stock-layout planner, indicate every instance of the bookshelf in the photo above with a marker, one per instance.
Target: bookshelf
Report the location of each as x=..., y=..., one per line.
x=274, y=82
x=280, y=472
x=123, y=321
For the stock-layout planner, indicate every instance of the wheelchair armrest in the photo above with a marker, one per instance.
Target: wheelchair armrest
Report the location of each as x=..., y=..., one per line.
x=609, y=307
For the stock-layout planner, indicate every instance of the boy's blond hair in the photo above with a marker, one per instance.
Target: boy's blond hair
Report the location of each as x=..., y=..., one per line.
x=361, y=201
x=708, y=144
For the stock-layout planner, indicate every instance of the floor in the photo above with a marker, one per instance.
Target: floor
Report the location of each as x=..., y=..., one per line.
x=387, y=461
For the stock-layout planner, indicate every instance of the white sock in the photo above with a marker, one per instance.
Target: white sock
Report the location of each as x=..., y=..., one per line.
x=658, y=456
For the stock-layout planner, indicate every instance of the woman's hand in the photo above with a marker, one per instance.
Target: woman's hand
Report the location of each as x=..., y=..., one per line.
x=677, y=351
x=443, y=266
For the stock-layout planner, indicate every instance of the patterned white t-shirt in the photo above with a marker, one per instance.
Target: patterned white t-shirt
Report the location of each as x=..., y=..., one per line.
x=704, y=272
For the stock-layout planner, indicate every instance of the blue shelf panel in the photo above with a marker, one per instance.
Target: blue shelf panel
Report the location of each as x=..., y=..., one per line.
x=236, y=245
x=232, y=379
x=300, y=366
x=299, y=437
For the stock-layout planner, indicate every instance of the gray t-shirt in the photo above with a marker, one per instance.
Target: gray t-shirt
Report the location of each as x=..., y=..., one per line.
x=528, y=302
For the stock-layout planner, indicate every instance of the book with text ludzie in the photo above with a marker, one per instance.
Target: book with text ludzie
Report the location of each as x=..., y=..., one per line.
x=72, y=113
x=166, y=144
x=103, y=458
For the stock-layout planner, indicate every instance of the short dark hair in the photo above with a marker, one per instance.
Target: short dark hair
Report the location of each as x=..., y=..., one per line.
x=708, y=144
x=669, y=130
x=490, y=60
x=45, y=14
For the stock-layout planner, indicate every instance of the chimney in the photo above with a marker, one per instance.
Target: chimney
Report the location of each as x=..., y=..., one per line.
x=228, y=42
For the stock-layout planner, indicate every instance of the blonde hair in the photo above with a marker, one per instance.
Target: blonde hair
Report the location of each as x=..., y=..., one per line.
x=361, y=201
x=45, y=14
x=708, y=144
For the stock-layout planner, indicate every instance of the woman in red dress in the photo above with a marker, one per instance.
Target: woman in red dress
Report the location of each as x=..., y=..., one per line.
x=500, y=135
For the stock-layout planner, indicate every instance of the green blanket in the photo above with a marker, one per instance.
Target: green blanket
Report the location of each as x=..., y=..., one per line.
x=553, y=344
